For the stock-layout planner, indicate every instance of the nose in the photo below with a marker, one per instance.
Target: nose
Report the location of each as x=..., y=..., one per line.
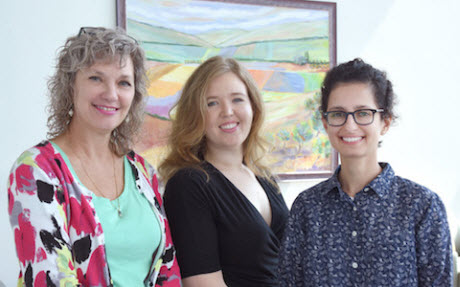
x=227, y=108
x=350, y=122
x=111, y=91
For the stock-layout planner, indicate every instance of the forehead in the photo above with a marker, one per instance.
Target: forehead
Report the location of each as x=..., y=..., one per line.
x=351, y=95
x=124, y=65
x=226, y=83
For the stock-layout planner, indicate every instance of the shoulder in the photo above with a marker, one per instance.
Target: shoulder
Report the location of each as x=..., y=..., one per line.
x=312, y=198
x=42, y=156
x=187, y=182
x=139, y=162
x=316, y=192
x=190, y=175
x=419, y=196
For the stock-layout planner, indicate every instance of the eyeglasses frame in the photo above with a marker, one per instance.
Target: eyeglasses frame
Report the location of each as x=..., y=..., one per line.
x=374, y=111
x=91, y=31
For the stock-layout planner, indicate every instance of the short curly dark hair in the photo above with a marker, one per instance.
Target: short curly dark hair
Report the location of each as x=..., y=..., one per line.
x=359, y=71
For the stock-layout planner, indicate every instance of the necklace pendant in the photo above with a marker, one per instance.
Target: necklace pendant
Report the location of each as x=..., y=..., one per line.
x=119, y=213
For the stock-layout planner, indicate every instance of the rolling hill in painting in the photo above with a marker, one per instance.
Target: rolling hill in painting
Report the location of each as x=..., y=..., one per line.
x=279, y=43
x=287, y=66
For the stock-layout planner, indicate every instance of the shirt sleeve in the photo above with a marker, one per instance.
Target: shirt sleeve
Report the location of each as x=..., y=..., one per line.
x=192, y=223
x=292, y=246
x=36, y=207
x=433, y=246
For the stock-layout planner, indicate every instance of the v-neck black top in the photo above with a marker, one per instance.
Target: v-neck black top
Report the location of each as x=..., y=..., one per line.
x=215, y=227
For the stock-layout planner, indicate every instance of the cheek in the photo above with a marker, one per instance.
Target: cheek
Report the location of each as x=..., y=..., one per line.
x=249, y=113
x=129, y=98
x=208, y=119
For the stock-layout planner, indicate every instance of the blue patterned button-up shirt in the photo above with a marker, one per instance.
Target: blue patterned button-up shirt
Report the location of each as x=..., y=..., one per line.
x=393, y=233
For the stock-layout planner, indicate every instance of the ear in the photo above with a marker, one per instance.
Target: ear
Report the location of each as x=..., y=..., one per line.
x=386, y=125
x=324, y=123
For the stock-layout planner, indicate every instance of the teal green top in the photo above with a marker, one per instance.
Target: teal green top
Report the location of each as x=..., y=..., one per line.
x=130, y=239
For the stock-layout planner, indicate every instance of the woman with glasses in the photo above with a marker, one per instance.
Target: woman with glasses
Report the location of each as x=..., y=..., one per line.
x=364, y=226
x=226, y=213
x=84, y=208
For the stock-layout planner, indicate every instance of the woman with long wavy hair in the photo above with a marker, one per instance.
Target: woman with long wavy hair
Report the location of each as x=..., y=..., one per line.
x=226, y=213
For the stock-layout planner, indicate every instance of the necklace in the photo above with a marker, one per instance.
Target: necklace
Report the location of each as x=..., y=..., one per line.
x=120, y=214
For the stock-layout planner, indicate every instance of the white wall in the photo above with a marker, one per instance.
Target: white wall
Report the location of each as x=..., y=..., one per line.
x=30, y=33
x=416, y=42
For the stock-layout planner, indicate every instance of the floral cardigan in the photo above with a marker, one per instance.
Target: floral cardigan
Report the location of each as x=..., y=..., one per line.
x=58, y=235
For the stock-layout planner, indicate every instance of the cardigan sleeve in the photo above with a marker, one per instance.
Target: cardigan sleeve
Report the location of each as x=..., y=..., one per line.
x=169, y=273
x=37, y=210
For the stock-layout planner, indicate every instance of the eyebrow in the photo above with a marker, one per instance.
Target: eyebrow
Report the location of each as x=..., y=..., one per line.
x=234, y=94
x=122, y=76
x=355, y=107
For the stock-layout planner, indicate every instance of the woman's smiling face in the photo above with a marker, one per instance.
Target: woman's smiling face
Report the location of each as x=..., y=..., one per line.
x=229, y=112
x=352, y=140
x=102, y=94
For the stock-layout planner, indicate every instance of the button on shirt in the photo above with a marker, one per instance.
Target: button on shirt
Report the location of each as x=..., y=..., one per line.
x=393, y=233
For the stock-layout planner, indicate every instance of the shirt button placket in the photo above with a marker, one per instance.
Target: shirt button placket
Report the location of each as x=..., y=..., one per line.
x=354, y=238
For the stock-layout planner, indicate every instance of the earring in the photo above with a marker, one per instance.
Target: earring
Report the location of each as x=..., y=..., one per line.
x=70, y=112
x=127, y=119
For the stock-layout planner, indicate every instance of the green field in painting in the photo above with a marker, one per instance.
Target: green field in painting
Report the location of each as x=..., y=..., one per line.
x=292, y=123
x=295, y=131
x=166, y=45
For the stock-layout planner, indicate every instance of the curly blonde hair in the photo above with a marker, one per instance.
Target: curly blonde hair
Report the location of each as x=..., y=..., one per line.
x=82, y=51
x=187, y=142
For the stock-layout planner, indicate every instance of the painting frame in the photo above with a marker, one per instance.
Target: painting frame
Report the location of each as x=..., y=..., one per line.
x=330, y=8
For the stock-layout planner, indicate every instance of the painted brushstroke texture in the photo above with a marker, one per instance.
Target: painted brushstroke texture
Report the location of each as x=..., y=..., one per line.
x=285, y=49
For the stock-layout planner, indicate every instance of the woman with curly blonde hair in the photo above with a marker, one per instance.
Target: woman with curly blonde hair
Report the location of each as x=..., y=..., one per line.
x=80, y=201
x=225, y=211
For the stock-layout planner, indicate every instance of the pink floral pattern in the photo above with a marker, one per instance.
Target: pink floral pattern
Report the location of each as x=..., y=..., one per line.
x=59, y=239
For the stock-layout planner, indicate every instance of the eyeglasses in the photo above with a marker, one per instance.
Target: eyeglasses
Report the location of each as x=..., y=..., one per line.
x=89, y=30
x=362, y=117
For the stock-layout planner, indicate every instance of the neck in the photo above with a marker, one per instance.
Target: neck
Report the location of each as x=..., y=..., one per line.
x=225, y=159
x=356, y=174
x=84, y=142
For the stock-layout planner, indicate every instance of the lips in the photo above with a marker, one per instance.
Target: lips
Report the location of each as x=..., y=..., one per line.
x=107, y=109
x=351, y=139
x=228, y=126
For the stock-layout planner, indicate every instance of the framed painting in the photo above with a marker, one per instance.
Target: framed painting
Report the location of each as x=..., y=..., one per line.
x=287, y=46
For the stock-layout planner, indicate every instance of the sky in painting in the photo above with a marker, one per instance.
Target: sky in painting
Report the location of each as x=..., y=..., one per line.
x=195, y=17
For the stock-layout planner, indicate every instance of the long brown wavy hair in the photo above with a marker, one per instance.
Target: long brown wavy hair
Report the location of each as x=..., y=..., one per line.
x=81, y=51
x=187, y=142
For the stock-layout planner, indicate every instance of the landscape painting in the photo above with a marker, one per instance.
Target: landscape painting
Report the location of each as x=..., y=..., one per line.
x=287, y=46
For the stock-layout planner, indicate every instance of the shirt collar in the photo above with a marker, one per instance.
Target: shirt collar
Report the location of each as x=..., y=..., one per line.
x=381, y=184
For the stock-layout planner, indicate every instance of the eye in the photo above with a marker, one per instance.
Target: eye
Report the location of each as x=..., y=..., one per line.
x=363, y=113
x=212, y=103
x=125, y=84
x=336, y=114
x=95, y=78
x=237, y=100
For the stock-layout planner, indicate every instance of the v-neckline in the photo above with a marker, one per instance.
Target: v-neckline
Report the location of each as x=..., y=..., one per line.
x=245, y=197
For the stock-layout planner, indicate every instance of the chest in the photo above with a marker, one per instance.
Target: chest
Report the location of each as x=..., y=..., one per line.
x=251, y=189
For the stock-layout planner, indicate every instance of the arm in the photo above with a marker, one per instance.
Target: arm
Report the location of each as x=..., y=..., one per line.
x=37, y=210
x=193, y=228
x=214, y=279
x=290, y=267
x=433, y=247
